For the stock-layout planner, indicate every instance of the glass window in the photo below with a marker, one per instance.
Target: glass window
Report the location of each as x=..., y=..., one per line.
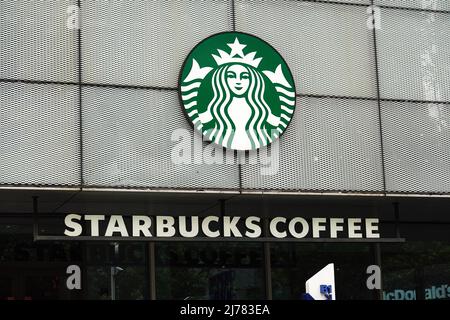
x=293, y=264
x=416, y=271
x=222, y=271
x=38, y=270
x=117, y=271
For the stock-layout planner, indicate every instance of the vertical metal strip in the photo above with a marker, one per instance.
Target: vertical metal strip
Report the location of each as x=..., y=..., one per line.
x=420, y=286
x=233, y=15
x=222, y=213
x=233, y=26
x=268, y=270
x=397, y=219
x=152, y=270
x=35, y=218
x=377, y=257
x=380, y=126
x=240, y=177
x=80, y=113
x=377, y=74
x=267, y=258
x=84, y=270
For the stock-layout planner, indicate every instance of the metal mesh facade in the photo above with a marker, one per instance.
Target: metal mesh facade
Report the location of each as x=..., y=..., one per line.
x=35, y=42
x=331, y=144
x=39, y=141
x=417, y=144
x=145, y=42
x=97, y=107
x=321, y=43
x=416, y=4
x=414, y=55
x=116, y=156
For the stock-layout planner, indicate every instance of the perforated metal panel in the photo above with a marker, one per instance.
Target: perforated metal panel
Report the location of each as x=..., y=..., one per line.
x=417, y=146
x=39, y=136
x=417, y=4
x=351, y=1
x=128, y=142
x=331, y=144
x=145, y=42
x=414, y=55
x=35, y=43
x=327, y=46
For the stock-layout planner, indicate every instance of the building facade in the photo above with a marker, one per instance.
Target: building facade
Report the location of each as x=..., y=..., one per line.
x=91, y=123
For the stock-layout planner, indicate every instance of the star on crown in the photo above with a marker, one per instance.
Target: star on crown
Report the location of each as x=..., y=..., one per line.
x=236, y=55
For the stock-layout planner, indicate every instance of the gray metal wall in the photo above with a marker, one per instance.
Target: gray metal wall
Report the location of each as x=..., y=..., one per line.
x=97, y=106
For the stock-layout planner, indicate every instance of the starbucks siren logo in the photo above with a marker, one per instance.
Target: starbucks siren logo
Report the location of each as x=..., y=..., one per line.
x=237, y=91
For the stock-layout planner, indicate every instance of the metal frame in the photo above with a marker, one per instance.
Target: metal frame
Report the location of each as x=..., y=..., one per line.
x=125, y=86
x=151, y=270
x=80, y=95
x=226, y=191
x=377, y=76
x=218, y=239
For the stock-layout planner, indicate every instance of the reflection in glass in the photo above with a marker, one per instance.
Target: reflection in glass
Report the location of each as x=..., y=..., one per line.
x=117, y=271
x=222, y=271
x=416, y=271
x=293, y=264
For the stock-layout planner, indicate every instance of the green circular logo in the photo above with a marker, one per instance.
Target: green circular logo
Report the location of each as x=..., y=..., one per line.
x=237, y=91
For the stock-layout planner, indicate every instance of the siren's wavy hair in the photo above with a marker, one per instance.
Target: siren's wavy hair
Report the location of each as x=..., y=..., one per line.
x=223, y=131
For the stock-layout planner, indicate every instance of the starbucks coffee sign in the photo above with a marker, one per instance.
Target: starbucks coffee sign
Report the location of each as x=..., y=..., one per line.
x=164, y=228
x=237, y=91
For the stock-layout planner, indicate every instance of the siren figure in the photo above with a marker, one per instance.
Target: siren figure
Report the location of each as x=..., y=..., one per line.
x=238, y=108
x=237, y=115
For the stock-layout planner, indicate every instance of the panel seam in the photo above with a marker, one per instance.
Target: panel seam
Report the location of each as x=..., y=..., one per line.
x=162, y=88
x=380, y=122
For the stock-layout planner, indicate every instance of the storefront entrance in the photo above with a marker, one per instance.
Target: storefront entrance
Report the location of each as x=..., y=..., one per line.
x=227, y=270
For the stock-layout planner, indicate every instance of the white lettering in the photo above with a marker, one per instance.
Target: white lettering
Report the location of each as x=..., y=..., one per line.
x=116, y=224
x=334, y=228
x=374, y=19
x=94, y=219
x=230, y=227
x=181, y=152
x=305, y=227
x=213, y=154
x=374, y=280
x=74, y=280
x=70, y=223
x=183, y=227
x=353, y=228
x=144, y=227
x=164, y=226
x=372, y=228
x=205, y=227
x=252, y=223
x=317, y=227
x=273, y=227
x=73, y=21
